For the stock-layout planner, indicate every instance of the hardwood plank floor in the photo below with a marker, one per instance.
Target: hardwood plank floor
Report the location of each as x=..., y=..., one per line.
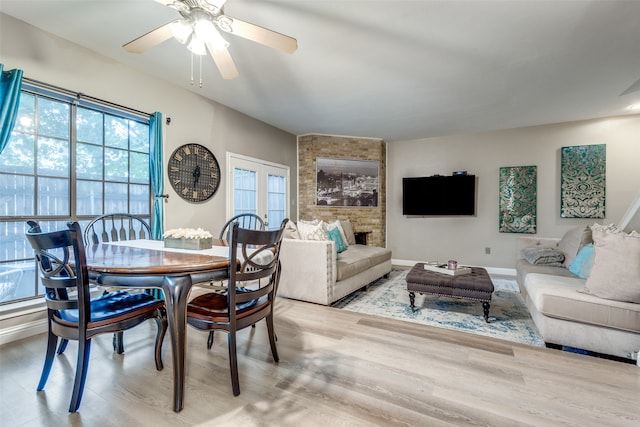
x=336, y=368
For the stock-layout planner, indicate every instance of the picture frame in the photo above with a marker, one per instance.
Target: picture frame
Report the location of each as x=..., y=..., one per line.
x=347, y=182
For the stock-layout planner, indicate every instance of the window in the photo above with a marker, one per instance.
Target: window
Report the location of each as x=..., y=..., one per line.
x=67, y=160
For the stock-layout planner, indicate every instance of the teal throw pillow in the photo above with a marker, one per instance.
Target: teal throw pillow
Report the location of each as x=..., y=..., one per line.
x=583, y=262
x=334, y=234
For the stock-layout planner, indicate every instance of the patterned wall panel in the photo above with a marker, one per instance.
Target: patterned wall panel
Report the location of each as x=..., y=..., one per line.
x=518, y=199
x=583, y=181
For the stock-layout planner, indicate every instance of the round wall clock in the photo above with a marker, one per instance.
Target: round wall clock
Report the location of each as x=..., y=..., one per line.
x=194, y=172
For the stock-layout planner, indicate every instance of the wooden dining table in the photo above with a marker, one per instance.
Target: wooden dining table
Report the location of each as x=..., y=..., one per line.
x=147, y=264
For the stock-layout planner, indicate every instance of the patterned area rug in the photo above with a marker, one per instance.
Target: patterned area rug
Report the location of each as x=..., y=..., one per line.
x=509, y=318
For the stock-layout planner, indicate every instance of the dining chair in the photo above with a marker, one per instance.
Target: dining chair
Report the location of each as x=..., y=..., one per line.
x=238, y=307
x=114, y=227
x=72, y=314
x=245, y=220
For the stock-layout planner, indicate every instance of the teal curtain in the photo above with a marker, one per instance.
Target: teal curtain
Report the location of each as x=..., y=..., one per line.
x=157, y=179
x=10, y=86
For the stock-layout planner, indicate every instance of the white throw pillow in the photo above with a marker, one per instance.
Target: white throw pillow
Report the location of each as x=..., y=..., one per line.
x=291, y=231
x=310, y=231
x=615, y=274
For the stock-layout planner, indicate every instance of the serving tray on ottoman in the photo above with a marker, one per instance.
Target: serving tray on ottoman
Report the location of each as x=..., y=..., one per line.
x=475, y=286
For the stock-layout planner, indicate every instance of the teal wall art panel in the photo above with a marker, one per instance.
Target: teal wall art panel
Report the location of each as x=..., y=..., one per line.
x=583, y=181
x=518, y=199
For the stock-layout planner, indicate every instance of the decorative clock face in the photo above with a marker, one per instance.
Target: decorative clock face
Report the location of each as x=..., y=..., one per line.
x=194, y=172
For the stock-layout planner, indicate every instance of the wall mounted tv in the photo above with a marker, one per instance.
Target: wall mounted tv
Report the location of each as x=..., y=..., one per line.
x=439, y=195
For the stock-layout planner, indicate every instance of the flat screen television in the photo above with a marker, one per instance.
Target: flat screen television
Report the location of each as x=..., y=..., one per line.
x=439, y=195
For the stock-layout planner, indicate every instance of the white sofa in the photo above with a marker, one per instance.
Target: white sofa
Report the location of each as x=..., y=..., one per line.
x=313, y=272
x=567, y=316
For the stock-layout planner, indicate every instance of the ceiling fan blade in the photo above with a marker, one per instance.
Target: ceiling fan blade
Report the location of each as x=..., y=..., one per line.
x=633, y=88
x=224, y=62
x=149, y=40
x=263, y=36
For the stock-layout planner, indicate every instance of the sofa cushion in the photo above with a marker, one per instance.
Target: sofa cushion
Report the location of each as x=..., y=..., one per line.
x=558, y=297
x=524, y=268
x=616, y=267
x=572, y=241
x=358, y=258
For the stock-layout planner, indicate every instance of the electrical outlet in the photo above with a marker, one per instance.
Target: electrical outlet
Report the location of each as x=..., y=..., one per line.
x=487, y=251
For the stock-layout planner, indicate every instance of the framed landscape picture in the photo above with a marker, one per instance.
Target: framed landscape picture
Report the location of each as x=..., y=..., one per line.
x=343, y=182
x=583, y=181
x=518, y=199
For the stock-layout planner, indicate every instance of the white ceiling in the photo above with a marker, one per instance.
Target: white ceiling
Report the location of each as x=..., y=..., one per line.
x=396, y=70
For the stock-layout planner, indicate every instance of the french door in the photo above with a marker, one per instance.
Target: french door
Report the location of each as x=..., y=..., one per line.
x=259, y=187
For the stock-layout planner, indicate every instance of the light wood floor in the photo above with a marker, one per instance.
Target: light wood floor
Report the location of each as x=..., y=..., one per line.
x=336, y=368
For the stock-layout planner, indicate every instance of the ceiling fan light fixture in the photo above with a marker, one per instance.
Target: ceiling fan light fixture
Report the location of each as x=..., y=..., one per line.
x=634, y=107
x=181, y=30
x=196, y=45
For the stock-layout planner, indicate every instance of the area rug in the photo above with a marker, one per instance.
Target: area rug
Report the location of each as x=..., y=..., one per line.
x=509, y=318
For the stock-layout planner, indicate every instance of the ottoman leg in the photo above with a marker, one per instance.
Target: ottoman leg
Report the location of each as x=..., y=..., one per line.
x=412, y=298
x=485, y=308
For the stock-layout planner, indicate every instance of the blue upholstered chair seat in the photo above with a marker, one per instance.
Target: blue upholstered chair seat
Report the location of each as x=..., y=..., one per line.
x=113, y=305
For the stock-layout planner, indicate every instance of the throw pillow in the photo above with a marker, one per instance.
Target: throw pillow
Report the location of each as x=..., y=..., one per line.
x=543, y=255
x=348, y=231
x=572, y=241
x=309, y=231
x=336, y=224
x=583, y=262
x=616, y=267
x=291, y=231
x=334, y=234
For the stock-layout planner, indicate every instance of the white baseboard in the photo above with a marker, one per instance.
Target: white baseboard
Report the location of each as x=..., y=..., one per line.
x=25, y=330
x=491, y=270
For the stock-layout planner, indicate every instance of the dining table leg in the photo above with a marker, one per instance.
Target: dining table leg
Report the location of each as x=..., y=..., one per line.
x=176, y=291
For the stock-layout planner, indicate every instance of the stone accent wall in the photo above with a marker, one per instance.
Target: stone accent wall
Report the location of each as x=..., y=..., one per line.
x=310, y=147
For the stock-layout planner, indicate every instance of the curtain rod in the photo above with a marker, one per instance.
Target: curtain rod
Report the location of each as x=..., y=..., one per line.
x=80, y=95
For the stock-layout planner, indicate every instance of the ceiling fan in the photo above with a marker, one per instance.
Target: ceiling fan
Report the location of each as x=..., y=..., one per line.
x=198, y=28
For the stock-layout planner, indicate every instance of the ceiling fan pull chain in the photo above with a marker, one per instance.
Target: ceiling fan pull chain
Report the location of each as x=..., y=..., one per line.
x=201, y=71
x=191, y=68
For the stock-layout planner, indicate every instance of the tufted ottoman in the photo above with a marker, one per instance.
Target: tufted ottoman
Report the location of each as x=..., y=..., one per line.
x=474, y=286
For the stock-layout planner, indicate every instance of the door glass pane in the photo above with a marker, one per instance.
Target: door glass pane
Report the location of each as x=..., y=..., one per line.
x=275, y=200
x=245, y=191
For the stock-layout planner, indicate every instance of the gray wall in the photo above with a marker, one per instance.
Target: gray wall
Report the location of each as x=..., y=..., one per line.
x=482, y=154
x=52, y=60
